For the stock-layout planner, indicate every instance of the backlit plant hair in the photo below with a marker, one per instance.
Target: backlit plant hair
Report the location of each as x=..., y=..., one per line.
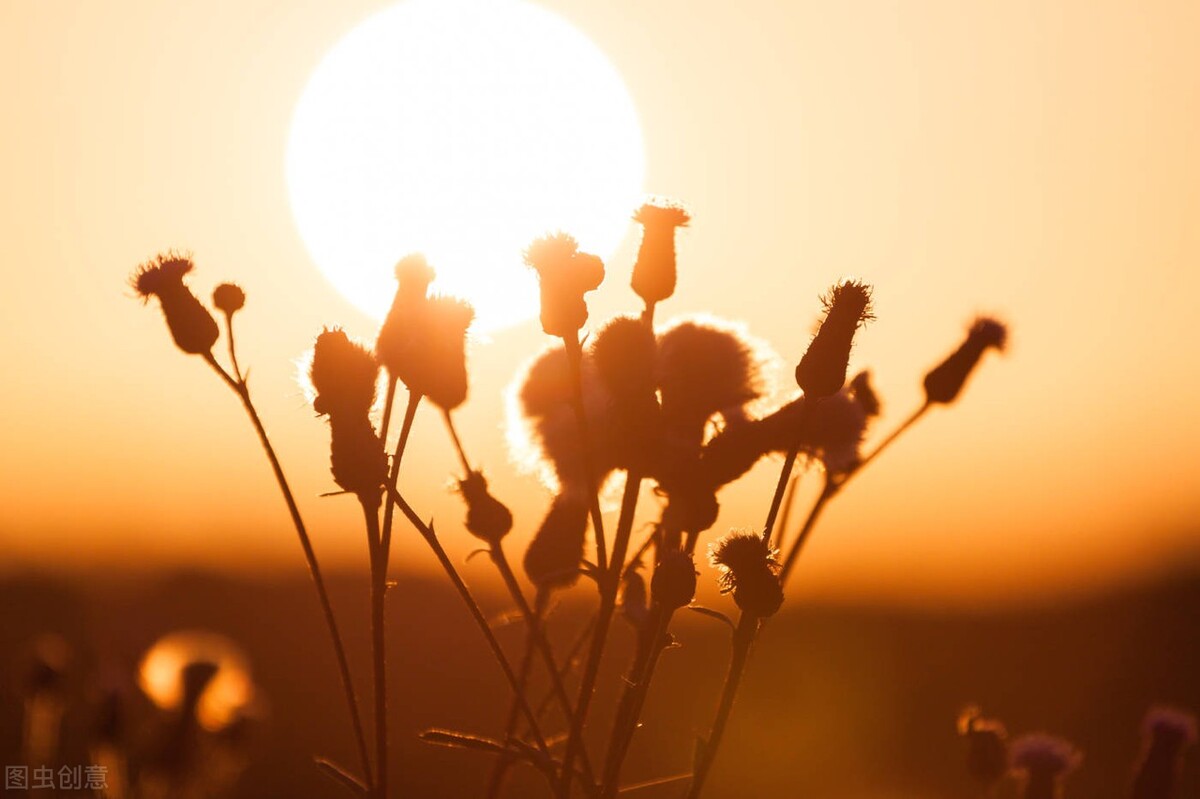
x=192, y=326
x=654, y=270
x=822, y=370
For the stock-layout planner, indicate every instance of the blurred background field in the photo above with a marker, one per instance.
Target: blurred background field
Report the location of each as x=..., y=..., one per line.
x=840, y=701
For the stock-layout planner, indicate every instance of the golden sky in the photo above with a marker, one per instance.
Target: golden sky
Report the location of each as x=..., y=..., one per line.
x=1034, y=160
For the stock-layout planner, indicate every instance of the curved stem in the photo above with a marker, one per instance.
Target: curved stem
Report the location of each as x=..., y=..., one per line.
x=827, y=493
x=907, y=423
x=456, y=579
x=458, y=447
x=310, y=557
x=743, y=639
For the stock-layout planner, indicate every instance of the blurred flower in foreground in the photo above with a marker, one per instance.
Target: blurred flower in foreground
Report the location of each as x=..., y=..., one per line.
x=748, y=571
x=487, y=517
x=945, y=381
x=190, y=323
x=200, y=674
x=987, y=746
x=1043, y=761
x=1168, y=732
x=44, y=692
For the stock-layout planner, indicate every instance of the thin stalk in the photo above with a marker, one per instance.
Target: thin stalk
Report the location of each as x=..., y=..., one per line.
x=629, y=710
x=569, y=662
x=389, y=507
x=543, y=646
x=504, y=760
x=609, y=582
x=310, y=557
x=458, y=447
x=789, y=463
x=907, y=423
x=789, y=502
x=743, y=639
x=575, y=363
x=789, y=562
x=456, y=579
x=378, y=643
x=237, y=373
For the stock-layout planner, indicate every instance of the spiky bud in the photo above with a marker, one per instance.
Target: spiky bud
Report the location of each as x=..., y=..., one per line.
x=987, y=746
x=343, y=374
x=946, y=380
x=552, y=560
x=564, y=275
x=674, y=582
x=1167, y=733
x=822, y=370
x=192, y=326
x=487, y=517
x=1043, y=761
x=654, y=271
x=228, y=298
x=749, y=571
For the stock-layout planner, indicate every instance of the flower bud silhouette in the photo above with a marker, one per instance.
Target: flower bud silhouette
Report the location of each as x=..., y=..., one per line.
x=440, y=372
x=552, y=560
x=654, y=270
x=487, y=517
x=1043, y=760
x=705, y=367
x=191, y=325
x=674, y=581
x=228, y=298
x=399, y=345
x=564, y=275
x=748, y=571
x=343, y=375
x=624, y=353
x=987, y=746
x=946, y=380
x=822, y=370
x=634, y=605
x=1167, y=732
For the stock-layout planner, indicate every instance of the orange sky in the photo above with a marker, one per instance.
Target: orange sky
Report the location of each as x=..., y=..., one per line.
x=1034, y=160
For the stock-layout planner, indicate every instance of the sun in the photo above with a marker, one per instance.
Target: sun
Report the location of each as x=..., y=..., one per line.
x=462, y=129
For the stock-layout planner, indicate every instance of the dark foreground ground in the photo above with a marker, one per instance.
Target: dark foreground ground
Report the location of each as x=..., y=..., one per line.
x=839, y=702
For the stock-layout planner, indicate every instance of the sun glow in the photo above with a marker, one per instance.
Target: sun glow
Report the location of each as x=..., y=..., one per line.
x=462, y=129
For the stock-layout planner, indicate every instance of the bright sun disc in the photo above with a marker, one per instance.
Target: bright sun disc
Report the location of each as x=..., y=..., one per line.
x=462, y=129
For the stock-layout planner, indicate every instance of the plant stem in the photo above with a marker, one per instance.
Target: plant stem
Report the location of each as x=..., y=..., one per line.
x=310, y=557
x=458, y=447
x=575, y=362
x=389, y=507
x=651, y=644
x=427, y=532
x=495, y=783
x=743, y=639
x=378, y=642
x=542, y=644
x=609, y=581
x=907, y=423
x=828, y=492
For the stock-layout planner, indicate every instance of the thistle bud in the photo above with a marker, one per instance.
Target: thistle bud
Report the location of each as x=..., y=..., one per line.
x=987, y=746
x=440, y=370
x=822, y=370
x=1167, y=733
x=674, y=582
x=191, y=325
x=399, y=346
x=344, y=375
x=1043, y=761
x=864, y=394
x=228, y=298
x=654, y=271
x=552, y=560
x=946, y=380
x=564, y=275
x=749, y=571
x=487, y=517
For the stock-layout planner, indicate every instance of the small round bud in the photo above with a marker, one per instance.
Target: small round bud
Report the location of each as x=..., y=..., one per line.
x=674, y=581
x=487, y=517
x=228, y=298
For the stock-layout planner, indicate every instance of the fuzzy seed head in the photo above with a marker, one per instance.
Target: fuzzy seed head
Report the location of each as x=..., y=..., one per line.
x=654, y=272
x=749, y=571
x=706, y=367
x=192, y=326
x=228, y=298
x=822, y=370
x=624, y=353
x=946, y=380
x=552, y=560
x=487, y=517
